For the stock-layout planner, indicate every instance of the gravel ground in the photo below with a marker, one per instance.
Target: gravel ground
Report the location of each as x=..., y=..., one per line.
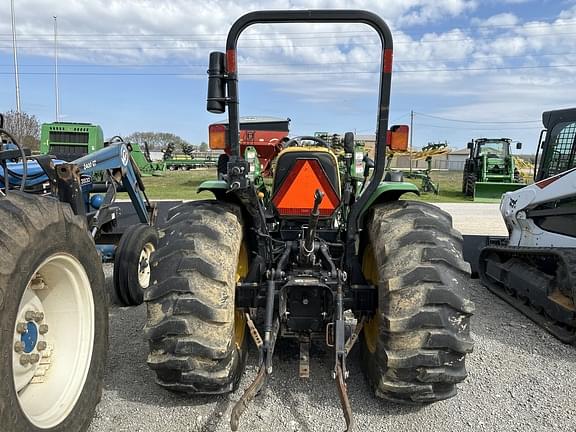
x=476, y=218
x=520, y=379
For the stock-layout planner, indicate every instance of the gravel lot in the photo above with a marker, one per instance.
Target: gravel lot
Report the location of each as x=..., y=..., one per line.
x=520, y=379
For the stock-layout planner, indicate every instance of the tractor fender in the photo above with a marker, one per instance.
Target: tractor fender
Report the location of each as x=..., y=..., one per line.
x=387, y=191
x=219, y=189
x=214, y=186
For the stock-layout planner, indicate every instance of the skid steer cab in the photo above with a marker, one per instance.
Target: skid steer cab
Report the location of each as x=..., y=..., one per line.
x=329, y=234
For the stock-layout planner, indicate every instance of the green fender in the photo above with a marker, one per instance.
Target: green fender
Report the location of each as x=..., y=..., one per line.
x=213, y=186
x=388, y=191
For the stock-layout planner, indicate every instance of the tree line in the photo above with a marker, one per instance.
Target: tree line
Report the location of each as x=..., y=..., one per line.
x=161, y=140
x=25, y=128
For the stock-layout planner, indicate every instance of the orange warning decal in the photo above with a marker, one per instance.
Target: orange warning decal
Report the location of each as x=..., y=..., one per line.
x=296, y=195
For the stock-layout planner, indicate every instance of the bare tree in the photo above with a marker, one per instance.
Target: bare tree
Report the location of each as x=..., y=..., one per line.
x=25, y=128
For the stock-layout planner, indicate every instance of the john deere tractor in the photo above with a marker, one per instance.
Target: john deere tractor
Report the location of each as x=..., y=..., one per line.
x=490, y=171
x=288, y=261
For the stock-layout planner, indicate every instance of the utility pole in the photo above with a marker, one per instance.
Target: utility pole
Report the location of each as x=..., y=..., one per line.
x=411, y=136
x=15, y=51
x=56, y=68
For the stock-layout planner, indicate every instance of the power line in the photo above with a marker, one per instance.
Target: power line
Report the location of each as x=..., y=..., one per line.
x=242, y=65
x=565, y=22
x=344, y=43
x=475, y=121
x=323, y=73
x=479, y=128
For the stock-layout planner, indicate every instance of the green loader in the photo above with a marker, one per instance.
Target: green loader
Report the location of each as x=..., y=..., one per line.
x=490, y=171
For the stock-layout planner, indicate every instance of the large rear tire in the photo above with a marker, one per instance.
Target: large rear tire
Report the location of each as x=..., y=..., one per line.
x=196, y=337
x=53, y=317
x=415, y=345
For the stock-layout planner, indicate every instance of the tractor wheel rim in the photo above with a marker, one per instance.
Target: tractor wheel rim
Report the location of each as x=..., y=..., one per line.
x=51, y=363
x=144, y=265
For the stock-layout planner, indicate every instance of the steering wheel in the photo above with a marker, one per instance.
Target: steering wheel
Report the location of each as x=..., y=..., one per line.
x=296, y=141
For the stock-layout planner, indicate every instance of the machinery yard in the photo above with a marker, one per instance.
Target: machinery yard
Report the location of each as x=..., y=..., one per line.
x=520, y=378
x=272, y=278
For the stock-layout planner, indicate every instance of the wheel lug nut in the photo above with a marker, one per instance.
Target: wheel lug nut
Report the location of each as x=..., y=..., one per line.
x=34, y=358
x=18, y=347
x=21, y=327
x=38, y=316
x=29, y=316
x=41, y=345
x=24, y=359
x=43, y=329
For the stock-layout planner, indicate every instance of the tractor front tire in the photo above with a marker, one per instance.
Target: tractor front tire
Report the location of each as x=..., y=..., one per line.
x=415, y=345
x=53, y=317
x=132, y=264
x=196, y=336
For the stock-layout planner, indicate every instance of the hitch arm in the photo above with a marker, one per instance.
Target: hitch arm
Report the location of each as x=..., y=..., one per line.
x=341, y=350
x=271, y=329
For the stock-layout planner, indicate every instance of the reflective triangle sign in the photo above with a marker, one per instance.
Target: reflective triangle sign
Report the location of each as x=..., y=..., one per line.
x=296, y=195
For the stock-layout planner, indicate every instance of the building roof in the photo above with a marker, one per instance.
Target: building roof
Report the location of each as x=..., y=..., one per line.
x=258, y=119
x=462, y=151
x=370, y=137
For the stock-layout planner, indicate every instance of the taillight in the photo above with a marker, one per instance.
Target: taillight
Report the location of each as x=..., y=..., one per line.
x=217, y=137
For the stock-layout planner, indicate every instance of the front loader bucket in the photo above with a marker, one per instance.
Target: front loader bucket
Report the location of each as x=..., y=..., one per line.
x=492, y=192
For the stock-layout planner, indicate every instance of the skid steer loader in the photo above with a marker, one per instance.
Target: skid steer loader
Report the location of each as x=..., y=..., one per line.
x=287, y=261
x=535, y=268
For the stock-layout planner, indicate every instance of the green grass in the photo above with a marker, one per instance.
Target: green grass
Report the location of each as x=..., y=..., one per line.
x=183, y=185
x=450, y=183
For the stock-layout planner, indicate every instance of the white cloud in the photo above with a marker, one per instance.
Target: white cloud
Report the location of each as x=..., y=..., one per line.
x=429, y=65
x=503, y=19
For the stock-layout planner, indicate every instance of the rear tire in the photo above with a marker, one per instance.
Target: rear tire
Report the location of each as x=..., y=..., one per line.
x=415, y=345
x=196, y=337
x=51, y=373
x=132, y=264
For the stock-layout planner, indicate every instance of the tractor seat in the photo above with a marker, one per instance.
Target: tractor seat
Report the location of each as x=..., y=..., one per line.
x=299, y=172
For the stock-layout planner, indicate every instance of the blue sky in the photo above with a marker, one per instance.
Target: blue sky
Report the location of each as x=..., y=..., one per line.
x=140, y=65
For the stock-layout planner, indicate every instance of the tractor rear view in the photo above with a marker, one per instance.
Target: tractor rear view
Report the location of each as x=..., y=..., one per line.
x=489, y=171
x=261, y=263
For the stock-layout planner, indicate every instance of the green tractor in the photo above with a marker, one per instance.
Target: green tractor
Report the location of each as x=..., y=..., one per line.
x=288, y=261
x=490, y=171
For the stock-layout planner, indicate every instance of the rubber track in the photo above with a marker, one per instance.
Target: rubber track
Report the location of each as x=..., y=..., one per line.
x=566, y=258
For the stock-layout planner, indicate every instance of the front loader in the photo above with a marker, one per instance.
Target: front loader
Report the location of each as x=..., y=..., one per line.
x=287, y=261
x=490, y=170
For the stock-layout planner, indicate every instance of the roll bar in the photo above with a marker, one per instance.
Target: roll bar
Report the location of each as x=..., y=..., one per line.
x=318, y=16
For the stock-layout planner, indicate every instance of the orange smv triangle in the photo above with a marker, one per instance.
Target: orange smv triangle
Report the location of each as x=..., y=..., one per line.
x=296, y=195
